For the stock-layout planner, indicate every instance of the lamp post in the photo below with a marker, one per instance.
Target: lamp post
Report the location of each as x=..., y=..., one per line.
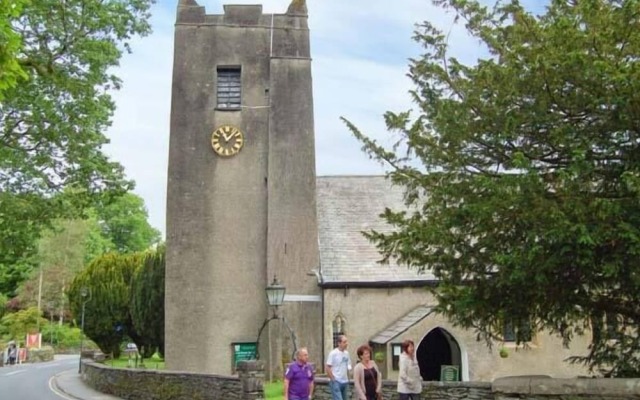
x=51, y=307
x=275, y=295
x=86, y=296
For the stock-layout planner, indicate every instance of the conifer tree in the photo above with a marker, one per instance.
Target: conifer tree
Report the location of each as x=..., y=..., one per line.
x=107, y=318
x=522, y=175
x=147, y=301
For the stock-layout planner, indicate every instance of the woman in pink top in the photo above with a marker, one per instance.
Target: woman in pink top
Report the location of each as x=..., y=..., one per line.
x=366, y=375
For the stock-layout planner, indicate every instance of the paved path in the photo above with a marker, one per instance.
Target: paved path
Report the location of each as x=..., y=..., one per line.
x=53, y=380
x=70, y=385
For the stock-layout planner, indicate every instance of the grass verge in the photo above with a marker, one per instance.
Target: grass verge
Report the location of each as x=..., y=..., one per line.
x=274, y=390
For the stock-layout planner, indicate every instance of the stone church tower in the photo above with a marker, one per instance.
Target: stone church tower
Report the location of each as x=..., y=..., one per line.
x=241, y=204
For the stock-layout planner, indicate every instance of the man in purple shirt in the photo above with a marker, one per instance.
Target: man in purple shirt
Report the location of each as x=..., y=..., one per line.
x=298, y=378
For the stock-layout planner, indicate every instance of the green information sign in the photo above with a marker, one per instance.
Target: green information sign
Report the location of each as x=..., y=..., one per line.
x=449, y=373
x=243, y=351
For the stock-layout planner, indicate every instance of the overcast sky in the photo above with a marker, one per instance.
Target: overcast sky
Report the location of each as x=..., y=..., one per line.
x=360, y=51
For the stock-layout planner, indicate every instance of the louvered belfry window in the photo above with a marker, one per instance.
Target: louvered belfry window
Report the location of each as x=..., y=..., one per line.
x=229, y=85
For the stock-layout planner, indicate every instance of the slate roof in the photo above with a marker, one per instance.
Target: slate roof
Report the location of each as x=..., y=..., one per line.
x=402, y=324
x=348, y=205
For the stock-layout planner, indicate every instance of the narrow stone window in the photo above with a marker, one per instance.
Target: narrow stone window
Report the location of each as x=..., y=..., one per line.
x=509, y=333
x=338, y=329
x=229, y=88
x=613, y=326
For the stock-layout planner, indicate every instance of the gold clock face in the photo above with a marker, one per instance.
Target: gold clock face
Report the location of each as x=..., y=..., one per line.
x=227, y=140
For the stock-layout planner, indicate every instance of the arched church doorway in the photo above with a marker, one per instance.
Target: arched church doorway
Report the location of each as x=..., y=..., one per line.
x=438, y=348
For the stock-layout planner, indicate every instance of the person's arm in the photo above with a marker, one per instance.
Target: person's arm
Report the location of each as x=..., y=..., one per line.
x=404, y=372
x=286, y=388
x=311, y=386
x=378, y=378
x=330, y=373
x=330, y=366
x=358, y=382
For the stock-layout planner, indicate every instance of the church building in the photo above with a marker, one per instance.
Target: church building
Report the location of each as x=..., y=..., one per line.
x=245, y=208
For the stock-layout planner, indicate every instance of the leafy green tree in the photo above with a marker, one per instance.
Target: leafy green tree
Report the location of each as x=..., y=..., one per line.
x=3, y=304
x=63, y=251
x=522, y=175
x=147, y=301
x=107, y=313
x=64, y=337
x=96, y=244
x=19, y=232
x=16, y=325
x=56, y=106
x=125, y=222
x=53, y=123
x=10, y=44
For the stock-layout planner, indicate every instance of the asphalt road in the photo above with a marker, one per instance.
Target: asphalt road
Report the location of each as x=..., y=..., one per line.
x=33, y=381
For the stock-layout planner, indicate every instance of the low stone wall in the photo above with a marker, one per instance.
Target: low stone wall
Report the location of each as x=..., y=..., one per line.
x=536, y=388
x=138, y=384
x=40, y=355
x=430, y=390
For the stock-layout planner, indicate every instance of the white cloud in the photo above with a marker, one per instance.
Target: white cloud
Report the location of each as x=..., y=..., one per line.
x=360, y=51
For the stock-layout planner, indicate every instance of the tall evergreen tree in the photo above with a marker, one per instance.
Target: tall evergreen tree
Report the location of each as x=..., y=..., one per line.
x=523, y=174
x=147, y=301
x=107, y=281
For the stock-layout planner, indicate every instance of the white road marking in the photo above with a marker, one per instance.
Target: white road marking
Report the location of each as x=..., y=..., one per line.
x=48, y=365
x=16, y=372
x=56, y=391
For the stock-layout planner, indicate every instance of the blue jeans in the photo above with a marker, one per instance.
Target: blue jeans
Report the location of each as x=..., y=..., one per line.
x=339, y=390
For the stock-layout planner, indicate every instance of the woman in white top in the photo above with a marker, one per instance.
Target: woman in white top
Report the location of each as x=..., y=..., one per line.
x=409, y=379
x=366, y=375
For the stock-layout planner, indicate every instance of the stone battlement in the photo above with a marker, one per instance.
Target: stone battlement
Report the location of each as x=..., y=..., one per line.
x=190, y=12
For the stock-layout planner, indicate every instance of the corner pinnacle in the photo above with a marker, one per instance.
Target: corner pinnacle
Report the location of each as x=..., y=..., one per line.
x=297, y=7
x=187, y=3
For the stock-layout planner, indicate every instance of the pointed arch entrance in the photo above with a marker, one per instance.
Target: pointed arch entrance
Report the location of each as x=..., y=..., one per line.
x=436, y=349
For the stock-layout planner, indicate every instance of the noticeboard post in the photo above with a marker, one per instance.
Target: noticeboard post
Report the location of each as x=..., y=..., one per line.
x=243, y=351
x=449, y=373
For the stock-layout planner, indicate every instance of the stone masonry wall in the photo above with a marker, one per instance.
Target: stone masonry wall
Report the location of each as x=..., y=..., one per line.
x=170, y=385
x=540, y=388
x=139, y=384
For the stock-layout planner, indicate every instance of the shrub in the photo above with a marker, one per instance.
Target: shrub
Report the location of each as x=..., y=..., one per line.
x=107, y=314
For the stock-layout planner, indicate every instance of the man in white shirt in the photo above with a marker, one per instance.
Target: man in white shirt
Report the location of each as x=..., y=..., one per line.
x=338, y=367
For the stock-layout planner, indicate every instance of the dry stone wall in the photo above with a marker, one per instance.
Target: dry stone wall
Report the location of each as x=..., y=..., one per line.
x=135, y=384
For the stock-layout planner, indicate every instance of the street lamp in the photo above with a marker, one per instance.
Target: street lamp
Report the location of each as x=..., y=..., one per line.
x=51, y=307
x=275, y=294
x=86, y=296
